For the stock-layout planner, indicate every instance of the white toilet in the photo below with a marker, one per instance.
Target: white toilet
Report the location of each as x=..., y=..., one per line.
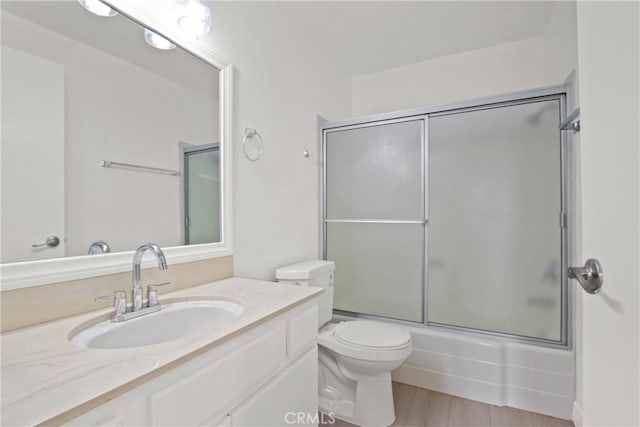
x=355, y=357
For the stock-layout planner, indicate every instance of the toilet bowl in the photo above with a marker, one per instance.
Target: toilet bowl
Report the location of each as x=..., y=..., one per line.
x=355, y=357
x=352, y=351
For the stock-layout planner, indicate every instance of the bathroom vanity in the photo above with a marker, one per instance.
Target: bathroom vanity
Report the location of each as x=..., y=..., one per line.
x=259, y=369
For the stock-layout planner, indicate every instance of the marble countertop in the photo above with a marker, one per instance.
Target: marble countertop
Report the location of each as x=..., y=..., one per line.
x=45, y=376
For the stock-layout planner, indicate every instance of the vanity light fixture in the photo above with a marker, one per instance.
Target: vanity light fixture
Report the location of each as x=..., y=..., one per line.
x=157, y=41
x=196, y=18
x=98, y=8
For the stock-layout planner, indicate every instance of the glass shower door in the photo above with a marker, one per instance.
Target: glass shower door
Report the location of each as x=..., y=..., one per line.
x=374, y=218
x=495, y=234
x=202, y=194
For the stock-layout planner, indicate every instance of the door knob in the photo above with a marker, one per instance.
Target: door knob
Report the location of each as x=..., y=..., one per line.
x=51, y=242
x=590, y=276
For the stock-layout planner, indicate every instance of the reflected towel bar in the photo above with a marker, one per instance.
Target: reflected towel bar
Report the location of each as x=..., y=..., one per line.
x=129, y=166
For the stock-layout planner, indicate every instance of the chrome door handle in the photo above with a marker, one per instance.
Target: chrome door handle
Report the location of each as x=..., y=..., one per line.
x=590, y=276
x=51, y=242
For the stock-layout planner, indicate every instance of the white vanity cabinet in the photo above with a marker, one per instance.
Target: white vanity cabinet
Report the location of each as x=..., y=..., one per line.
x=264, y=376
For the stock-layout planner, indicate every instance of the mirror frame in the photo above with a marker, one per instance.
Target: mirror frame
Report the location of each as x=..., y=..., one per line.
x=33, y=273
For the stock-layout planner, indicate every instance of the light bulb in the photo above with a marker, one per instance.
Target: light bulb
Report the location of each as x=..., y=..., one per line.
x=157, y=40
x=196, y=18
x=97, y=7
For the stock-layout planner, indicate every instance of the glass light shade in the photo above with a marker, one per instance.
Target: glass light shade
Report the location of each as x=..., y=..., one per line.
x=157, y=41
x=97, y=7
x=196, y=18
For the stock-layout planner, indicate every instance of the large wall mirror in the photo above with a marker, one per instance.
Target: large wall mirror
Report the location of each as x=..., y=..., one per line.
x=111, y=136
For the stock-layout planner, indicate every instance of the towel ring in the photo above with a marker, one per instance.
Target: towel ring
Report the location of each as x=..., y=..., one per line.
x=252, y=144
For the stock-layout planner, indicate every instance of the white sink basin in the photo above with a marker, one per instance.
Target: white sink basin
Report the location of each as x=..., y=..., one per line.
x=175, y=321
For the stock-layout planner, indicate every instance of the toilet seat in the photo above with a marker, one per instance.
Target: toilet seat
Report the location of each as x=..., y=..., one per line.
x=366, y=340
x=367, y=334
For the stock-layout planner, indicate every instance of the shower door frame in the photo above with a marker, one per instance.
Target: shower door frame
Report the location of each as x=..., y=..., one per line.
x=566, y=205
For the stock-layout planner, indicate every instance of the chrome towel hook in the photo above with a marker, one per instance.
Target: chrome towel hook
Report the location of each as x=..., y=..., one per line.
x=590, y=276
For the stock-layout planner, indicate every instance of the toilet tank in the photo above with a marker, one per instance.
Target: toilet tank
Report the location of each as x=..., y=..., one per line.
x=312, y=273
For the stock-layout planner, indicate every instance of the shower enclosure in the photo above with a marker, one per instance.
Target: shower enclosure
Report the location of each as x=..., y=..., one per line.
x=452, y=217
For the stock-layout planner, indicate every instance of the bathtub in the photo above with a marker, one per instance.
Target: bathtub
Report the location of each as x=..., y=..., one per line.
x=496, y=370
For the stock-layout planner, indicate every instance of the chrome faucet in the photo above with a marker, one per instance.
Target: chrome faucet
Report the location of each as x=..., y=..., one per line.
x=120, y=311
x=136, y=292
x=99, y=247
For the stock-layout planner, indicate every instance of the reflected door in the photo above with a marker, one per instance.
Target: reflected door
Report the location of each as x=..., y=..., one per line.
x=374, y=218
x=202, y=194
x=33, y=156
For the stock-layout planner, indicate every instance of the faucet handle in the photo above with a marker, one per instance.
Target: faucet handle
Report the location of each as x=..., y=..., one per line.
x=152, y=293
x=116, y=295
x=119, y=301
x=154, y=286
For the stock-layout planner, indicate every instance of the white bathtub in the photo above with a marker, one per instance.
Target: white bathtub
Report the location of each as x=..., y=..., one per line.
x=490, y=370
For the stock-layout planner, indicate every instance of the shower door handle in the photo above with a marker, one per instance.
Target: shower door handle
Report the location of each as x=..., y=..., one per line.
x=590, y=276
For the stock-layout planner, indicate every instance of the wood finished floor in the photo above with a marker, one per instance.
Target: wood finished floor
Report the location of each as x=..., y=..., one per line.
x=417, y=407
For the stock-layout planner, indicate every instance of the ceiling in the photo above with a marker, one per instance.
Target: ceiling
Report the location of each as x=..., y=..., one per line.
x=359, y=37
x=368, y=36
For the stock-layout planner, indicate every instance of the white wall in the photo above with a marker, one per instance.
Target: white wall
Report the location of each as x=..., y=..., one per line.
x=484, y=72
x=609, y=62
x=120, y=112
x=280, y=86
x=524, y=64
x=279, y=89
x=560, y=43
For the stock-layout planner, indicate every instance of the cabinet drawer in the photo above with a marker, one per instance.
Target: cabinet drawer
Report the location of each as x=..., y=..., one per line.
x=212, y=390
x=108, y=421
x=302, y=330
x=120, y=414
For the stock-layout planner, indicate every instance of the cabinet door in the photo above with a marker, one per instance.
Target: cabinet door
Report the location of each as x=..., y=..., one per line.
x=290, y=398
x=222, y=422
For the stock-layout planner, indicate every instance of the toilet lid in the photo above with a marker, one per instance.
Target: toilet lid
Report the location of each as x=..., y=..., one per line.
x=366, y=333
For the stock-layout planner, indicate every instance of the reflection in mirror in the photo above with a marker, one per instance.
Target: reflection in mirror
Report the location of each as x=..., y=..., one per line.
x=80, y=92
x=201, y=193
